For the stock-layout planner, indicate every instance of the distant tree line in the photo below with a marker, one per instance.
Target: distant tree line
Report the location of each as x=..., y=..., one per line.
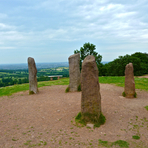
x=117, y=67
x=50, y=72
x=114, y=68
x=9, y=81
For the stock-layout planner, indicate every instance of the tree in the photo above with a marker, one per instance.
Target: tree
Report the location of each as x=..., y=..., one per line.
x=88, y=49
x=117, y=67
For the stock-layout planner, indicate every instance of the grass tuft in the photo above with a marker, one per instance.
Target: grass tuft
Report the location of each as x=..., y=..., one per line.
x=146, y=107
x=90, y=118
x=136, y=137
x=67, y=89
x=123, y=94
x=135, y=95
x=79, y=119
x=103, y=143
x=79, y=88
x=31, y=92
x=121, y=143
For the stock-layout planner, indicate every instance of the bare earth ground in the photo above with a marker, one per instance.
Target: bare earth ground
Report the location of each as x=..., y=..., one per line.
x=146, y=76
x=47, y=119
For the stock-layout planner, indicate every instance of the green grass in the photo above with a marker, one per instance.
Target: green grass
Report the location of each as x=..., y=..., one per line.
x=9, y=90
x=79, y=87
x=120, y=143
x=123, y=94
x=67, y=90
x=104, y=143
x=90, y=118
x=146, y=107
x=119, y=81
x=140, y=83
x=136, y=137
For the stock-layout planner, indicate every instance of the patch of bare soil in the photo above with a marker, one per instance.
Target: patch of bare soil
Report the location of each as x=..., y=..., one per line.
x=47, y=119
x=145, y=76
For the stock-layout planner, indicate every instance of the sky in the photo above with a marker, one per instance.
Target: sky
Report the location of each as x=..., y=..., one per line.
x=50, y=30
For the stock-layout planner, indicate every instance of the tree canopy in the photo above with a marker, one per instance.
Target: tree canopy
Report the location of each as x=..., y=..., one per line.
x=88, y=49
x=117, y=67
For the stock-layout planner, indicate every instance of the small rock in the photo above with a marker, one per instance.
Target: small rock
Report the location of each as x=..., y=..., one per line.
x=121, y=97
x=90, y=125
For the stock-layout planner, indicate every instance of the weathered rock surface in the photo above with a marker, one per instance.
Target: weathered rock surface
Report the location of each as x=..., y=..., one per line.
x=33, y=88
x=129, y=88
x=90, y=98
x=74, y=72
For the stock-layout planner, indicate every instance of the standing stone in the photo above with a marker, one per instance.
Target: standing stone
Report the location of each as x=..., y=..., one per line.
x=90, y=98
x=32, y=76
x=129, y=81
x=74, y=72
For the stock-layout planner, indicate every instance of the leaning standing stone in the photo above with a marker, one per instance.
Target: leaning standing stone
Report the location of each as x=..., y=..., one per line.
x=129, y=81
x=90, y=98
x=32, y=76
x=74, y=72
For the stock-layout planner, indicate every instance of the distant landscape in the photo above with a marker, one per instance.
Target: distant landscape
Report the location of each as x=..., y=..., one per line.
x=11, y=74
x=38, y=65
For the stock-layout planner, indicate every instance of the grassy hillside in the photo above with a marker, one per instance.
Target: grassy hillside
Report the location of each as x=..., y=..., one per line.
x=140, y=83
x=9, y=90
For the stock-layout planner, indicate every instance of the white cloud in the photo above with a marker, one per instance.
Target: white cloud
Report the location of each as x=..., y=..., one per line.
x=111, y=7
x=35, y=25
x=6, y=27
x=126, y=14
x=11, y=36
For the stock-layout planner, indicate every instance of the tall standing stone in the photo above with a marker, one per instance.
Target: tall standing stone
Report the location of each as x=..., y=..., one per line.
x=33, y=88
x=129, y=88
x=90, y=98
x=74, y=72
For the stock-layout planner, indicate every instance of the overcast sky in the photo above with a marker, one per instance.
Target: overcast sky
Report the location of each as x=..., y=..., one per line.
x=50, y=30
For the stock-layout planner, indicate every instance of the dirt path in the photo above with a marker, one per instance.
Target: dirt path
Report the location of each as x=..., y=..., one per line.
x=46, y=119
x=146, y=76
